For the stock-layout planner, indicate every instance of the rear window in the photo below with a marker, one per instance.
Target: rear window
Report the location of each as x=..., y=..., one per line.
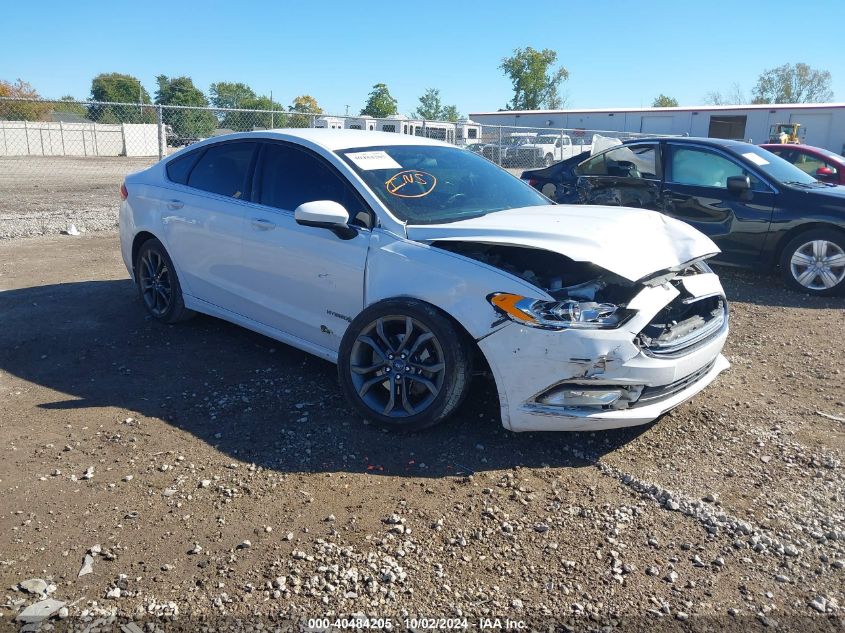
x=223, y=169
x=179, y=168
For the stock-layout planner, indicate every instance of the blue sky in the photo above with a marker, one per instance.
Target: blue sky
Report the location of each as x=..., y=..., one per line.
x=619, y=54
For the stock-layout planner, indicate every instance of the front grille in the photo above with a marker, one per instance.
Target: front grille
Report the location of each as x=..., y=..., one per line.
x=684, y=325
x=650, y=395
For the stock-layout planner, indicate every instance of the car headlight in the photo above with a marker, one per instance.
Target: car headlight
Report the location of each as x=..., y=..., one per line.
x=559, y=315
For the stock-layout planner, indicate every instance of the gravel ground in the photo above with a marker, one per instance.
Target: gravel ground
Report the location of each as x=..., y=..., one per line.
x=204, y=472
x=42, y=195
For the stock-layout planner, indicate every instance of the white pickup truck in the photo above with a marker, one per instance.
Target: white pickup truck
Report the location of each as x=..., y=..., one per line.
x=546, y=149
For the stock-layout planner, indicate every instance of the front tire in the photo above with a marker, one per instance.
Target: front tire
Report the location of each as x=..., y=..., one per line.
x=548, y=160
x=404, y=365
x=814, y=262
x=158, y=285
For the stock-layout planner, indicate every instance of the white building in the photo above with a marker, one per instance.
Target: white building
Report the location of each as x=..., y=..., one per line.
x=400, y=124
x=467, y=132
x=822, y=124
x=361, y=123
x=330, y=122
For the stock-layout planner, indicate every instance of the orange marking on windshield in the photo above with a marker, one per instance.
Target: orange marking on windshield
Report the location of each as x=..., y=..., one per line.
x=410, y=184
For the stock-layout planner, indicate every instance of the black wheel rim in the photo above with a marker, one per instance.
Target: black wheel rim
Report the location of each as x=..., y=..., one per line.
x=397, y=366
x=154, y=278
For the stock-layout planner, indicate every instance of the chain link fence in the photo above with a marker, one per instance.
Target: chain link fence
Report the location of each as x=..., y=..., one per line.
x=61, y=162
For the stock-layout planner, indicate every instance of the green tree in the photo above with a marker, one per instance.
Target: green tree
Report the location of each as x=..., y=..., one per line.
x=430, y=107
x=22, y=110
x=535, y=81
x=185, y=124
x=119, y=88
x=450, y=113
x=267, y=114
x=68, y=104
x=789, y=83
x=662, y=101
x=306, y=104
x=380, y=103
x=227, y=94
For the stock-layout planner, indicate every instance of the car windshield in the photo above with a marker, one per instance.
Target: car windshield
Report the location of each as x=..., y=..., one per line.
x=775, y=167
x=424, y=184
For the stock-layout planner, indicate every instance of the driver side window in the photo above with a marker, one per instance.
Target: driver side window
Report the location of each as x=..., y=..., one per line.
x=289, y=177
x=700, y=168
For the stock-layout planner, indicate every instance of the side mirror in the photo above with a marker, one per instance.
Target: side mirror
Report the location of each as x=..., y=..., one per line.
x=739, y=184
x=325, y=214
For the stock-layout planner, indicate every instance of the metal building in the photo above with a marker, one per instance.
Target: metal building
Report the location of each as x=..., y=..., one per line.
x=822, y=124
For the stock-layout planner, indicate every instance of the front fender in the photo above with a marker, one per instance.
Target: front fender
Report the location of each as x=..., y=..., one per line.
x=459, y=286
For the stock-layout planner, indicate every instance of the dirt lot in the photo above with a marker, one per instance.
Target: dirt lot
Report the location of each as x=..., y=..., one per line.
x=42, y=195
x=212, y=472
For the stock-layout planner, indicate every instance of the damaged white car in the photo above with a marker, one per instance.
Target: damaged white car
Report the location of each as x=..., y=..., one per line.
x=413, y=265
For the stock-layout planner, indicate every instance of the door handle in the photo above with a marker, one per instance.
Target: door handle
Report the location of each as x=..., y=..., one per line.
x=263, y=225
x=175, y=204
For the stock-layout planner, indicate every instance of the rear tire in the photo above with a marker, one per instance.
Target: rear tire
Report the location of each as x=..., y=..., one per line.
x=404, y=365
x=158, y=284
x=814, y=262
x=548, y=160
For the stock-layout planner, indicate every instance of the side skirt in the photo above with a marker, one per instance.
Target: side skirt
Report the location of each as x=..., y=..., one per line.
x=210, y=309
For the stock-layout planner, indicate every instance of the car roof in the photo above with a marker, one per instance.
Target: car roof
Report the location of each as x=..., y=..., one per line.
x=334, y=140
x=810, y=149
x=698, y=140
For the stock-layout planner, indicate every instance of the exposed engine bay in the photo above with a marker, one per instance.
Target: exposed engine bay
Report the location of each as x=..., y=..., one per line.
x=561, y=277
x=597, y=294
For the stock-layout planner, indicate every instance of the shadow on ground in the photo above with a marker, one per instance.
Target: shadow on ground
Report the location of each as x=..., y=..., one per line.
x=248, y=396
x=260, y=401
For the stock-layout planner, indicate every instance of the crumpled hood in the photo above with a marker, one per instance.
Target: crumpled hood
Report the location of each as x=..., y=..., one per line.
x=631, y=243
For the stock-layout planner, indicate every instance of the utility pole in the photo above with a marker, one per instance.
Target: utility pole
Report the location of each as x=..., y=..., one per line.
x=347, y=110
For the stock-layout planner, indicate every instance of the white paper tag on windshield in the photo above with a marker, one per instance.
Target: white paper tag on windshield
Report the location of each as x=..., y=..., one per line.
x=756, y=158
x=373, y=160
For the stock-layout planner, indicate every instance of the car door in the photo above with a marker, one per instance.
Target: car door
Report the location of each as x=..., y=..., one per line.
x=626, y=175
x=303, y=280
x=696, y=192
x=202, y=219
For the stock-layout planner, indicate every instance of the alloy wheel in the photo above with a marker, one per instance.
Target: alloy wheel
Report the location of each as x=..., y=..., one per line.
x=818, y=265
x=154, y=278
x=397, y=366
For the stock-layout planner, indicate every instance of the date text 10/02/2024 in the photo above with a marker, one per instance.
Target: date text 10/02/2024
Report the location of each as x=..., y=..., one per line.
x=420, y=623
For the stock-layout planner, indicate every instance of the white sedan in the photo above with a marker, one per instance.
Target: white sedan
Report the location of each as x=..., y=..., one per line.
x=413, y=264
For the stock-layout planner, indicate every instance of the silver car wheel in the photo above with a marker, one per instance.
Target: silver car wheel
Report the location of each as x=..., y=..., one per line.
x=397, y=366
x=818, y=265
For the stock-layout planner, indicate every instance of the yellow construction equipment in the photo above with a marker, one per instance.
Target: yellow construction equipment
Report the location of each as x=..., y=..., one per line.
x=784, y=133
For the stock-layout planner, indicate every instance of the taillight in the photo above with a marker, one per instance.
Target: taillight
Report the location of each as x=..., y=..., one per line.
x=123, y=193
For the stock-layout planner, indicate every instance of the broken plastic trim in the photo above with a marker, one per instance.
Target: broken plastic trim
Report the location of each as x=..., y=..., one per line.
x=559, y=315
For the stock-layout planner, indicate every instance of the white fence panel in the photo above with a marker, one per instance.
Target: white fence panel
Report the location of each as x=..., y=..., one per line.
x=140, y=139
x=42, y=138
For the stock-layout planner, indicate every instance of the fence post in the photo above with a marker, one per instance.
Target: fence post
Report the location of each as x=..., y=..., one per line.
x=499, y=151
x=161, y=133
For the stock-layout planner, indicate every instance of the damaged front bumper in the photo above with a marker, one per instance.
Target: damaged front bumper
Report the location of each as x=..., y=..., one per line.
x=579, y=380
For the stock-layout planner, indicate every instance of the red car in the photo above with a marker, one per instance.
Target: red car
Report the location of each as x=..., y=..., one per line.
x=820, y=163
